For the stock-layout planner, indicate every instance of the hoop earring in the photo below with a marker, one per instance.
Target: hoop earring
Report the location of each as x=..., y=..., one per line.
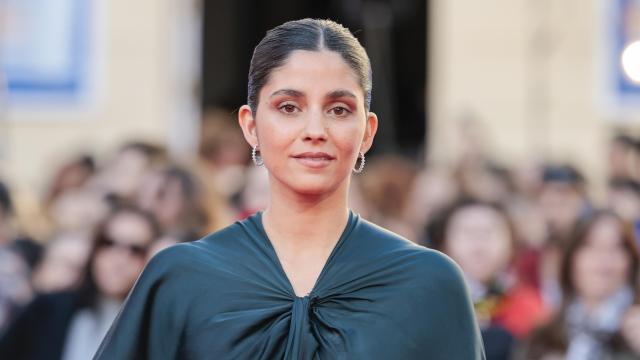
x=361, y=167
x=257, y=159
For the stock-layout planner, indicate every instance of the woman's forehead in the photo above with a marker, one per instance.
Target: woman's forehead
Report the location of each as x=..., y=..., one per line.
x=313, y=72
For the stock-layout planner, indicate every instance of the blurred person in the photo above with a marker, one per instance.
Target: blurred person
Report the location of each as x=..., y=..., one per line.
x=122, y=176
x=624, y=199
x=386, y=189
x=29, y=250
x=533, y=236
x=7, y=232
x=432, y=191
x=78, y=210
x=180, y=202
x=479, y=236
x=69, y=325
x=622, y=157
x=529, y=221
x=599, y=317
x=15, y=288
x=634, y=166
x=484, y=180
x=477, y=175
x=63, y=262
x=527, y=178
x=307, y=277
x=223, y=152
x=72, y=175
x=255, y=194
x=562, y=201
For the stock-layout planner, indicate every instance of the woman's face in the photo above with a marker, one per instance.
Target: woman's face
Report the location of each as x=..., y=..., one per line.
x=479, y=240
x=310, y=123
x=121, y=255
x=601, y=266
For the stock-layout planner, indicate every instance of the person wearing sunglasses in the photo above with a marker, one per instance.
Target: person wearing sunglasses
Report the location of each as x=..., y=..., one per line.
x=69, y=325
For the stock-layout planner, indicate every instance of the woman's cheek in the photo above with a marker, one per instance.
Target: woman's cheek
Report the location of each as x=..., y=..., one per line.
x=348, y=139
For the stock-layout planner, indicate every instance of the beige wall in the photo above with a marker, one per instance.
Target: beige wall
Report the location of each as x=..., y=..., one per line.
x=496, y=60
x=136, y=96
x=492, y=61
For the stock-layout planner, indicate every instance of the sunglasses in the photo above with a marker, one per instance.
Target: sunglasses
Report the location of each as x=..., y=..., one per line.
x=137, y=250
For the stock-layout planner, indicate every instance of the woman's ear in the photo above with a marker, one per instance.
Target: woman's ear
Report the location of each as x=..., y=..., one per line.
x=248, y=125
x=369, y=132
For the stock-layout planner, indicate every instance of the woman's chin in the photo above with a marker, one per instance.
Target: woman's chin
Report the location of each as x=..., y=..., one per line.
x=313, y=187
x=311, y=190
x=310, y=183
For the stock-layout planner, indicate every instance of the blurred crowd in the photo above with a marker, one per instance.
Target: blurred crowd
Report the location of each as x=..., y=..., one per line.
x=552, y=269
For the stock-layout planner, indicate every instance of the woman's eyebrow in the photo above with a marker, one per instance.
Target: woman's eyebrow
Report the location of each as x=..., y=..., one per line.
x=341, y=93
x=288, y=92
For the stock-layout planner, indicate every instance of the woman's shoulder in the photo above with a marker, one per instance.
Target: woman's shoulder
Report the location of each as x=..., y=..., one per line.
x=429, y=264
x=379, y=236
x=391, y=241
x=225, y=246
x=215, y=242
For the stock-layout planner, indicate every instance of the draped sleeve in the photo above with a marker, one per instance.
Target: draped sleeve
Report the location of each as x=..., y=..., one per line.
x=453, y=332
x=150, y=323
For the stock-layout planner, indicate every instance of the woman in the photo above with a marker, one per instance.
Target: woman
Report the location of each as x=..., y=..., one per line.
x=479, y=236
x=307, y=278
x=599, y=317
x=70, y=325
x=178, y=201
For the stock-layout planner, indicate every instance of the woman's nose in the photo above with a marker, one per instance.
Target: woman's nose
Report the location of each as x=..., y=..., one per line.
x=315, y=127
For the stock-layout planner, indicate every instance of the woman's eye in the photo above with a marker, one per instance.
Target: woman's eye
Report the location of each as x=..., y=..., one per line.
x=288, y=108
x=339, y=111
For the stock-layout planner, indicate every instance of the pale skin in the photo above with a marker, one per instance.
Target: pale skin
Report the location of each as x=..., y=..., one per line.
x=310, y=125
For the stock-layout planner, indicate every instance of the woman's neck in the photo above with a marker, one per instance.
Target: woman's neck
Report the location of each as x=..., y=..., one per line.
x=298, y=221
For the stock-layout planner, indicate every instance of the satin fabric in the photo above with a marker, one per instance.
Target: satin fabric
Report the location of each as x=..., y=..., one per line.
x=226, y=296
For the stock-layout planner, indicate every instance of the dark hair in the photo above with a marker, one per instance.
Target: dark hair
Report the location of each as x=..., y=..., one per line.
x=438, y=229
x=306, y=34
x=624, y=140
x=194, y=220
x=61, y=182
x=6, y=206
x=156, y=154
x=149, y=149
x=554, y=336
x=622, y=183
x=562, y=173
x=577, y=241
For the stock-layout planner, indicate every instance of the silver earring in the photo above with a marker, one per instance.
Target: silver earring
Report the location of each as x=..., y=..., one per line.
x=257, y=159
x=361, y=167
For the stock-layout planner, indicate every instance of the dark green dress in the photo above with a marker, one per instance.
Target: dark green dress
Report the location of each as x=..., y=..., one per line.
x=226, y=296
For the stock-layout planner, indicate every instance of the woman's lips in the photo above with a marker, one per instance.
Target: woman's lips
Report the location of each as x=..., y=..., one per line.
x=315, y=160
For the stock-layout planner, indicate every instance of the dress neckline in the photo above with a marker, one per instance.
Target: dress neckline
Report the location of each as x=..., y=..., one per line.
x=351, y=220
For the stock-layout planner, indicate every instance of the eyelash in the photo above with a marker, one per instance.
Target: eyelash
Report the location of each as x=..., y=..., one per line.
x=342, y=108
x=283, y=106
